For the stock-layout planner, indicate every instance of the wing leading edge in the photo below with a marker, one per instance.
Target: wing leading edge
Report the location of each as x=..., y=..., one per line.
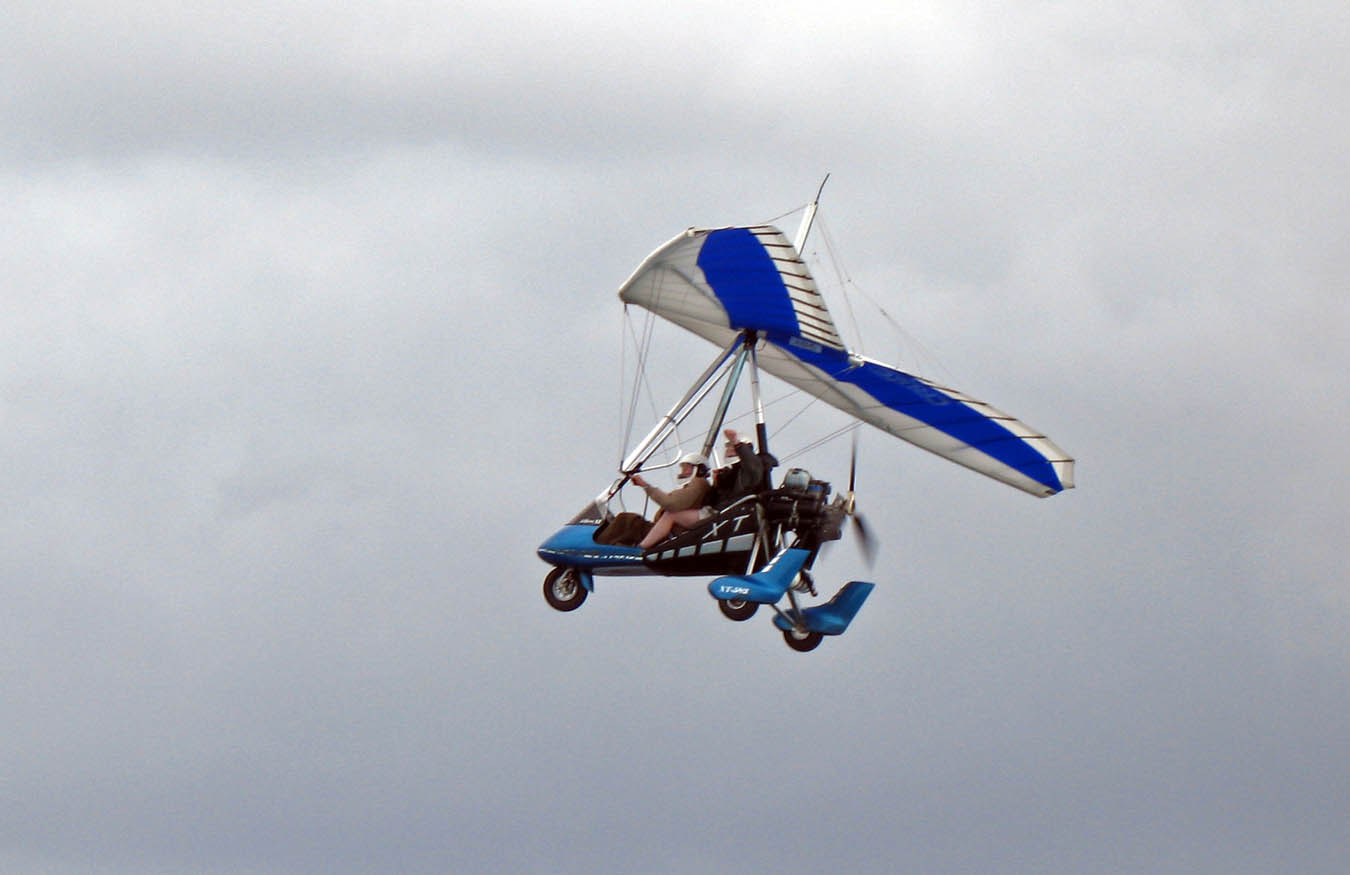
x=718, y=283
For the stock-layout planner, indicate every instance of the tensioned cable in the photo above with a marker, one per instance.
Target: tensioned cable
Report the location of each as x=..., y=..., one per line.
x=923, y=355
x=822, y=441
x=641, y=349
x=640, y=381
x=797, y=209
x=778, y=430
x=841, y=277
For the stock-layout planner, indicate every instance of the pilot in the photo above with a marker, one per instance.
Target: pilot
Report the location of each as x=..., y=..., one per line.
x=681, y=506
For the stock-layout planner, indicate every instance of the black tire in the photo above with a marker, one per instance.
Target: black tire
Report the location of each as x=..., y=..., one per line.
x=802, y=641
x=563, y=590
x=739, y=610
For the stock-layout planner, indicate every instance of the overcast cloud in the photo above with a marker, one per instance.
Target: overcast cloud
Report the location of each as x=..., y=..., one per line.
x=310, y=337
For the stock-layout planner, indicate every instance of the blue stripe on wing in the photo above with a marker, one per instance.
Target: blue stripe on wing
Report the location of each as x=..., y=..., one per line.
x=746, y=281
x=912, y=397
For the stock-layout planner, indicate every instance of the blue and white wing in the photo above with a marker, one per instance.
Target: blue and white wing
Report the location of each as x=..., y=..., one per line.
x=721, y=282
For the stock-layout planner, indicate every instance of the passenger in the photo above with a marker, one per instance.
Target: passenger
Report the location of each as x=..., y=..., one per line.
x=744, y=476
x=681, y=506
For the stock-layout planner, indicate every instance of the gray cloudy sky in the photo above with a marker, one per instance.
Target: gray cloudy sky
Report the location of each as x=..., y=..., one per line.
x=310, y=338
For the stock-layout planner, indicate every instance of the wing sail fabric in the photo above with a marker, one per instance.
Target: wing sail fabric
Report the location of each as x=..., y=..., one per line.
x=938, y=419
x=718, y=283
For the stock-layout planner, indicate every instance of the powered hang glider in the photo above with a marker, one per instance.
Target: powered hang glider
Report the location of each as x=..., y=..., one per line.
x=748, y=291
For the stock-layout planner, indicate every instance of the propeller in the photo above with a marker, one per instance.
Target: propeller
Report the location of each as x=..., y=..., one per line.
x=860, y=530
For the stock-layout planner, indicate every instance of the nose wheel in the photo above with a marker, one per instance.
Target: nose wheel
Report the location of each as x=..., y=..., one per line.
x=563, y=590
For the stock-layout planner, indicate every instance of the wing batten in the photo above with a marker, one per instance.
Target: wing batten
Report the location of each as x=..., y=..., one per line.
x=720, y=282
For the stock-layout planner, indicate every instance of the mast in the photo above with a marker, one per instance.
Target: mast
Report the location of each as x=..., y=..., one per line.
x=761, y=431
x=808, y=217
x=747, y=341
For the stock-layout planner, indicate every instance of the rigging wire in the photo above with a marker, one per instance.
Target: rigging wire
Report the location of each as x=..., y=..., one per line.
x=924, y=358
x=790, y=212
x=770, y=403
x=780, y=429
x=841, y=277
x=848, y=285
x=624, y=429
x=837, y=433
x=642, y=349
x=796, y=415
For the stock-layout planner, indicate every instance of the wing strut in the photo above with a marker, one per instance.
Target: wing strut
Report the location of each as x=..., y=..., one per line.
x=747, y=341
x=726, y=360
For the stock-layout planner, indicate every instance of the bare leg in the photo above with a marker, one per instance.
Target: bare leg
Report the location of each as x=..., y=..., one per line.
x=658, y=531
x=661, y=529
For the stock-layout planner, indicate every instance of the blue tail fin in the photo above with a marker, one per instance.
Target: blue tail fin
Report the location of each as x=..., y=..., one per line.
x=833, y=617
x=765, y=586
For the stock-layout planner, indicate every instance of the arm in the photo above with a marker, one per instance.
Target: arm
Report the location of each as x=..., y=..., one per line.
x=692, y=494
x=751, y=475
x=689, y=495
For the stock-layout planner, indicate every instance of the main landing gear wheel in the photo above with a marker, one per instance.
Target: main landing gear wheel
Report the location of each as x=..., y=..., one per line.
x=802, y=640
x=737, y=609
x=563, y=590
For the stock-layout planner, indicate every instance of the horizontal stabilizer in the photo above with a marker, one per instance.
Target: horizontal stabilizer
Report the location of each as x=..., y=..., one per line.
x=765, y=586
x=833, y=617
